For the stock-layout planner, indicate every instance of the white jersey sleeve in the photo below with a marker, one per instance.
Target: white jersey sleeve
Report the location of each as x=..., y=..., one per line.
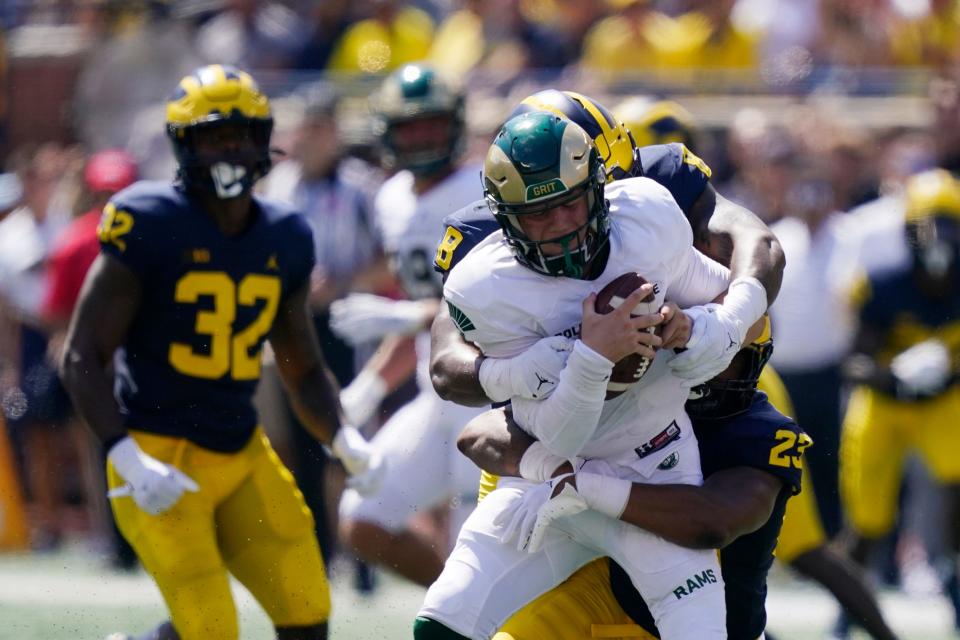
x=697, y=279
x=496, y=323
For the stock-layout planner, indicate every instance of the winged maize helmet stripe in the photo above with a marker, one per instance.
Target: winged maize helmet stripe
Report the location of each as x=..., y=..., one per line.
x=213, y=92
x=932, y=193
x=596, y=131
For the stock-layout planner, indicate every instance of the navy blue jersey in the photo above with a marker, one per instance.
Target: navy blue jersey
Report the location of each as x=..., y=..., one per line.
x=678, y=169
x=683, y=174
x=895, y=307
x=191, y=359
x=765, y=439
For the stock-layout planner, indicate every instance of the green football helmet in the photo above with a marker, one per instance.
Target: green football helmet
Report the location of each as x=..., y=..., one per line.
x=539, y=161
x=414, y=92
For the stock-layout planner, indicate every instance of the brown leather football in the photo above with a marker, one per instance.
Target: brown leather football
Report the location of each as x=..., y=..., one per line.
x=631, y=368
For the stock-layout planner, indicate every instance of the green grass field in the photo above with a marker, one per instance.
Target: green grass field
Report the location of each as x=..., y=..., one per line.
x=68, y=595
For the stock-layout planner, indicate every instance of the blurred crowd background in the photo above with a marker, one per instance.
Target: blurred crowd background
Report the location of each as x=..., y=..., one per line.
x=812, y=113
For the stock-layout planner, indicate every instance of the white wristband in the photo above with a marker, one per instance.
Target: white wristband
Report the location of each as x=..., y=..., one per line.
x=495, y=379
x=538, y=463
x=369, y=386
x=605, y=494
x=746, y=301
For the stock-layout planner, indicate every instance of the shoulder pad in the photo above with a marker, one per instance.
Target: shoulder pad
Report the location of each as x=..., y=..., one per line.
x=678, y=169
x=463, y=230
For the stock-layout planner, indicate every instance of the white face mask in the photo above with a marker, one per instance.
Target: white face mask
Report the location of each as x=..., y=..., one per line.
x=228, y=179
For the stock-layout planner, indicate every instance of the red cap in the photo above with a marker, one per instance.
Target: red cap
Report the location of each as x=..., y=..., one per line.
x=110, y=170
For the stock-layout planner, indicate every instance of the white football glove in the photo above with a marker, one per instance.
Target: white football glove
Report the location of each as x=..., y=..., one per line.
x=714, y=341
x=361, y=398
x=534, y=512
x=566, y=503
x=923, y=369
x=364, y=464
x=155, y=486
x=533, y=374
x=362, y=317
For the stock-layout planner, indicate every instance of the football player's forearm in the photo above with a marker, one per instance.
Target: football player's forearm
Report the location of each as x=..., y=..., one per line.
x=730, y=504
x=315, y=401
x=568, y=418
x=494, y=443
x=455, y=364
x=739, y=239
x=90, y=389
x=394, y=361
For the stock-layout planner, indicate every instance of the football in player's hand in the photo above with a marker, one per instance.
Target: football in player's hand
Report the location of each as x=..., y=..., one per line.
x=631, y=368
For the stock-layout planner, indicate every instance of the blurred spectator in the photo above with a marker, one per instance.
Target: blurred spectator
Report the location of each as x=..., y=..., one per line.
x=944, y=93
x=764, y=159
x=501, y=39
x=814, y=324
x=333, y=193
x=11, y=192
x=619, y=42
x=34, y=404
x=706, y=37
x=77, y=246
x=854, y=33
x=75, y=250
x=930, y=35
x=393, y=35
x=252, y=34
x=331, y=18
x=130, y=74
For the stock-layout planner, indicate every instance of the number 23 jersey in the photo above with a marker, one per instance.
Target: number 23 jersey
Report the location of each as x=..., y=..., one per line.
x=191, y=360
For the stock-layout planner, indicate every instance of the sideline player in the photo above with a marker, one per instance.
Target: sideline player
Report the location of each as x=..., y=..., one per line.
x=421, y=117
x=561, y=241
x=192, y=278
x=456, y=367
x=905, y=359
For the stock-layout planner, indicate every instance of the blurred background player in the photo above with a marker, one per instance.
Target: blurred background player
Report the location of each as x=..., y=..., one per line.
x=335, y=195
x=905, y=367
x=420, y=120
x=192, y=278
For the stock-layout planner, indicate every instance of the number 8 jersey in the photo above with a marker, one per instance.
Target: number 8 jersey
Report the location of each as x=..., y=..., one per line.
x=191, y=360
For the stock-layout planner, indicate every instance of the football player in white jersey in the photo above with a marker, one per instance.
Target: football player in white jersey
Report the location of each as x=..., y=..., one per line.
x=421, y=119
x=563, y=239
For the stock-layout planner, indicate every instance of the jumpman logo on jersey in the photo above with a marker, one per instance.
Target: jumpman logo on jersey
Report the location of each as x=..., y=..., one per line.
x=542, y=380
x=733, y=342
x=272, y=263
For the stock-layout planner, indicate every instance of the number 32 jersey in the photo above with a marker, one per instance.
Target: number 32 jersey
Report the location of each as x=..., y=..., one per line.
x=191, y=360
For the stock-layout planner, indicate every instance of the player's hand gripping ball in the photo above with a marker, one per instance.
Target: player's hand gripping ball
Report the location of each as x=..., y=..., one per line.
x=630, y=369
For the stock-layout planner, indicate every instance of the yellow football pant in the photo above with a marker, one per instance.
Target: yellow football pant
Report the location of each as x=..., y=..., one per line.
x=584, y=605
x=878, y=432
x=248, y=519
x=581, y=607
